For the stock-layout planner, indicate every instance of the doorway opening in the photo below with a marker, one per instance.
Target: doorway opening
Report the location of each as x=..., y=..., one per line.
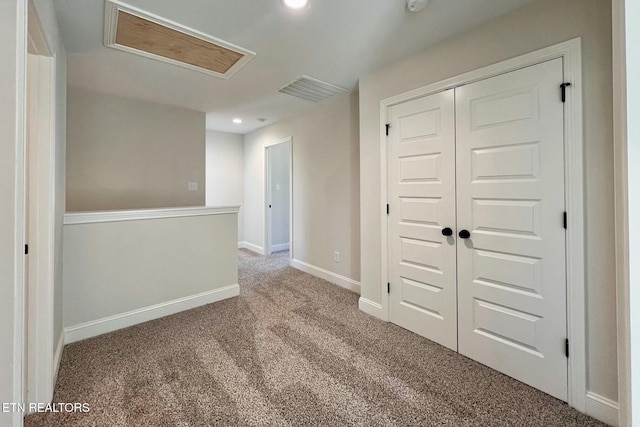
x=278, y=197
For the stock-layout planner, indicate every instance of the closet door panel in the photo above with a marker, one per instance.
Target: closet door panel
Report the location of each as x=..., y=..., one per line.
x=510, y=197
x=421, y=195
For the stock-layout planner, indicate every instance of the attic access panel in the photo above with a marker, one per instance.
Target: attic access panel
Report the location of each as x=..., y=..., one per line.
x=135, y=31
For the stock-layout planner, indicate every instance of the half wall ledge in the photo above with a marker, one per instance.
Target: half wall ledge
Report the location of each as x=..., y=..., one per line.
x=122, y=268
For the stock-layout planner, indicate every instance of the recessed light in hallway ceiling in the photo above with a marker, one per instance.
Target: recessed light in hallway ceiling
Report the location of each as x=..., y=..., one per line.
x=296, y=4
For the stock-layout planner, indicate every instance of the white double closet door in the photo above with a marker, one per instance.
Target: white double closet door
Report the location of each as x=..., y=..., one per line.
x=483, y=162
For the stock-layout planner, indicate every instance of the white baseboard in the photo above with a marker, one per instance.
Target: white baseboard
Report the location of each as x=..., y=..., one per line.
x=57, y=356
x=280, y=247
x=251, y=247
x=603, y=409
x=337, y=279
x=372, y=308
x=124, y=320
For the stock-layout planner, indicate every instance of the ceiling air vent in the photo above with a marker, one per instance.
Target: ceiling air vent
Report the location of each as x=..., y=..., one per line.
x=311, y=89
x=136, y=31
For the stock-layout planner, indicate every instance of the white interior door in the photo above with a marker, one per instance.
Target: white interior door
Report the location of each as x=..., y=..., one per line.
x=421, y=191
x=269, y=204
x=278, y=197
x=510, y=198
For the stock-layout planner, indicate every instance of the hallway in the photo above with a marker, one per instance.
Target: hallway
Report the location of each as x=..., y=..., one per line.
x=292, y=349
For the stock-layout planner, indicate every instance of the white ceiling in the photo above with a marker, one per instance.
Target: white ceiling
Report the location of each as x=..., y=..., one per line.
x=334, y=40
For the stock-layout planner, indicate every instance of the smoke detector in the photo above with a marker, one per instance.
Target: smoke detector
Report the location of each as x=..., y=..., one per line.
x=416, y=5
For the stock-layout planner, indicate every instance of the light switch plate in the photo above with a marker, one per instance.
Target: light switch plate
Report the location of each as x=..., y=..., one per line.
x=193, y=186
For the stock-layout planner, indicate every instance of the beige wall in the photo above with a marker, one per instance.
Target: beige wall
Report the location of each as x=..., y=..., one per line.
x=129, y=154
x=540, y=24
x=325, y=184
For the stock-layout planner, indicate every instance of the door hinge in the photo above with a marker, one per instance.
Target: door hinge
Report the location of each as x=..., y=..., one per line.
x=26, y=249
x=388, y=287
x=387, y=208
x=566, y=347
x=563, y=91
x=386, y=128
x=564, y=219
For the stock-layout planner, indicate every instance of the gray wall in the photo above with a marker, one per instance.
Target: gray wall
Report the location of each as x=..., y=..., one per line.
x=224, y=172
x=117, y=267
x=537, y=25
x=129, y=154
x=326, y=209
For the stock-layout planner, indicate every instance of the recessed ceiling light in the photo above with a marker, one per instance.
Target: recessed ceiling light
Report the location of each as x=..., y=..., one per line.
x=296, y=4
x=237, y=121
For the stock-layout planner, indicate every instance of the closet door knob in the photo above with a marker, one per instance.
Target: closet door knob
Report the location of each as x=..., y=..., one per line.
x=464, y=234
x=447, y=231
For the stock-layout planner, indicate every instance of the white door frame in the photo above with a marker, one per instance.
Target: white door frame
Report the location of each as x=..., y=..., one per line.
x=626, y=61
x=42, y=346
x=267, y=190
x=41, y=224
x=19, y=286
x=570, y=52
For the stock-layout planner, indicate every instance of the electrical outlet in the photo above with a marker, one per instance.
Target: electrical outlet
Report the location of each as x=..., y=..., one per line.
x=193, y=186
x=336, y=256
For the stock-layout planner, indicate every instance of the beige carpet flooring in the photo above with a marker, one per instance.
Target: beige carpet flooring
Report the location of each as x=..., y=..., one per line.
x=291, y=350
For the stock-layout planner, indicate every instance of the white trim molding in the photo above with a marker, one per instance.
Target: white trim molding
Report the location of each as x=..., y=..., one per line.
x=279, y=247
x=570, y=52
x=41, y=224
x=19, y=207
x=72, y=218
x=119, y=321
x=329, y=276
x=626, y=135
x=250, y=246
x=111, y=9
x=372, y=308
x=57, y=357
x=603, y=409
